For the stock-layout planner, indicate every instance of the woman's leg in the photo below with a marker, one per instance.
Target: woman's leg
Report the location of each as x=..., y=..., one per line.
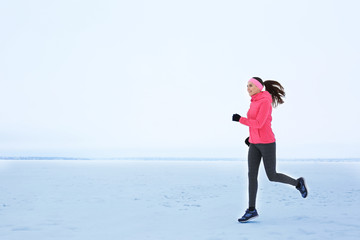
x=268, y=152
x=254, y=158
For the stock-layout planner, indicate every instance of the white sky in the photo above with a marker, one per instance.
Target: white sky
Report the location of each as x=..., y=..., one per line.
x=163, y=78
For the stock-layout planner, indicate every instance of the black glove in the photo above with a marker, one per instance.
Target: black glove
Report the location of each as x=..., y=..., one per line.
x=247, y=141
x=236, y=117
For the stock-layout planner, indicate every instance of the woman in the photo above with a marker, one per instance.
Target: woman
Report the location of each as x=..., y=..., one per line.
x=262, y=140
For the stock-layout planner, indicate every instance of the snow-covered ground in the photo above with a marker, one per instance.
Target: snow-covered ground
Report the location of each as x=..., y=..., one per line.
x=174, y=200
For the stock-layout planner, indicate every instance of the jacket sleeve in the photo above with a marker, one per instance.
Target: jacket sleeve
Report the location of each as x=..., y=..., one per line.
x=261, y=117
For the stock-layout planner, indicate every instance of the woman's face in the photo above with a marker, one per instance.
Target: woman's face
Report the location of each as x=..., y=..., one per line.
x=252, y=89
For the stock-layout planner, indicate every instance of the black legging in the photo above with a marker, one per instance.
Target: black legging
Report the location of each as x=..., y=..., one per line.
x=268, y=153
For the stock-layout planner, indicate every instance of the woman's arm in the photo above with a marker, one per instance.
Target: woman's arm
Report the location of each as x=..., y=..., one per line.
x=260, y=118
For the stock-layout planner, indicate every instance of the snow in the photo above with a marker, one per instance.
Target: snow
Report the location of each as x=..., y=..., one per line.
x=174, y=200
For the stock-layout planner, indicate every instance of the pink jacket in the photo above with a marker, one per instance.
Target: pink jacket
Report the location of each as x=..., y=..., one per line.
x=259, y=119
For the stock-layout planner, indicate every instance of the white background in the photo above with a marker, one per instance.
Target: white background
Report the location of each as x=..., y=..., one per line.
x=163, y=78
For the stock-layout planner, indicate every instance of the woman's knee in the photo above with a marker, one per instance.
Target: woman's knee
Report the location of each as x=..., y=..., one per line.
x=272, y=177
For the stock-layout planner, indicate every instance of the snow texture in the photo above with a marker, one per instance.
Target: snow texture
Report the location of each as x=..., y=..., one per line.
x=174, y=200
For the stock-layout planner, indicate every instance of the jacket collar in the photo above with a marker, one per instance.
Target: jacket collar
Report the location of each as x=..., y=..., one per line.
x=261, y=95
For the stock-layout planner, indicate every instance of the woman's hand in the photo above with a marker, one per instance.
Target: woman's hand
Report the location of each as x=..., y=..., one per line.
x=247, y=141
x=236, y=117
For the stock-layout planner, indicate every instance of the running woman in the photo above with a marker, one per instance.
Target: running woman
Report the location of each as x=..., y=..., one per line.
x=262, y=139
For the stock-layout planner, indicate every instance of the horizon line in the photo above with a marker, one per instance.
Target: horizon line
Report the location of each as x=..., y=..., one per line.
x=151, y=158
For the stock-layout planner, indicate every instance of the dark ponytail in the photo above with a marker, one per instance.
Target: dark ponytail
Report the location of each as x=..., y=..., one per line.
x=275, y=89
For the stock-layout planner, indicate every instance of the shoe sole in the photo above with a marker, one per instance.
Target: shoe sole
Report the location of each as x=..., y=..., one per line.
x=248, y=219
x=307, y=192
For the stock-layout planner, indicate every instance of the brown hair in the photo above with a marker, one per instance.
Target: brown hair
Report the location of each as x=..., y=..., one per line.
x=275, y=89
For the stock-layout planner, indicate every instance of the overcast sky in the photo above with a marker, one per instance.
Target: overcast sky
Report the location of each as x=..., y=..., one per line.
x=163, y=78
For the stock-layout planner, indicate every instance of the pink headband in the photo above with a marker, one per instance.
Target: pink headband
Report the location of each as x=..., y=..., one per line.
x=257, y=83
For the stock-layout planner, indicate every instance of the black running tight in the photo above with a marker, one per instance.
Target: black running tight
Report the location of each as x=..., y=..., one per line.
x=268, y=153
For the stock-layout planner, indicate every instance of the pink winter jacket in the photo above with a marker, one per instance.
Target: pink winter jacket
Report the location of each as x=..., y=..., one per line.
x=259, y=119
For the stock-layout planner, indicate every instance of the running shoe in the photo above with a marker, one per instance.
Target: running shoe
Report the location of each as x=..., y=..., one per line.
x=248, y=216
x=302, y=187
